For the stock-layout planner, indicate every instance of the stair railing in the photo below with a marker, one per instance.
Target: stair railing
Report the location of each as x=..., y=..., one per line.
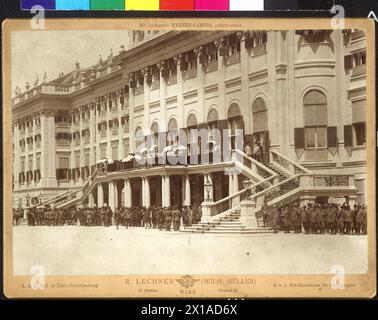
x=233, y=200
x=288, y=164
x=254, y=165
x=277, y=190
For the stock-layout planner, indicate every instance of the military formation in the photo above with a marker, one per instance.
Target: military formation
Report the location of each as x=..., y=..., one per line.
x=309, y=219
x=317, y=218
x=169, y=218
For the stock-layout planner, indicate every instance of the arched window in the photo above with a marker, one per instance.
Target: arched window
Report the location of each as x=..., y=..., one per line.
x=259, y=116
x=172, y=136
x=155, y=133
x=192, y=121
x=139, y=138
x=235, y=120
x=315, y=119
x=234, y=111
x=212, y=116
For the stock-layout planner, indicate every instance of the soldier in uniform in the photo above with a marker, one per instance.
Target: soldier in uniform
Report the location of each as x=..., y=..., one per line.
x=304, y=218
x=348, y=219
x=286, y=219
x=146, y=218
x=364, y=219
x=161, y=218
x=168, y=218
x=176, y=218
x=322, y=218
x=276, y=218
x=313, y=215
x=293, y=219
x=127, y=217
x=117, y=217
x=185, y=216
x=340, y=219
x=356, y=207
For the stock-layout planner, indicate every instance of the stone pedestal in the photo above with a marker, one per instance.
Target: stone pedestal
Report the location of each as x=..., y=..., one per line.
x=206, y=213
x=248, y=214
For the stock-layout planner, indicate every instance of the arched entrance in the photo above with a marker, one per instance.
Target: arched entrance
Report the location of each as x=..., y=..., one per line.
x=235, y=122
x=260, y=127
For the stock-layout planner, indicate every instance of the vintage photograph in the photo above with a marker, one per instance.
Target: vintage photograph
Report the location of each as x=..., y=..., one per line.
x=174, y=151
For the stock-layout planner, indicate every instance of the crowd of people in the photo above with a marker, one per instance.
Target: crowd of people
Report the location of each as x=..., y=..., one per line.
x=309, y=219
x=151, y=218
x=317, y=218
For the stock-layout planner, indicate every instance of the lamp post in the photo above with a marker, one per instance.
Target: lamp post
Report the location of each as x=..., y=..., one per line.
x=208, y=189
x=40, y=197
x=27, y=200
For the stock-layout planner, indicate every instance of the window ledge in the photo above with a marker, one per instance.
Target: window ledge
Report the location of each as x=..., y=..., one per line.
x=356, y=148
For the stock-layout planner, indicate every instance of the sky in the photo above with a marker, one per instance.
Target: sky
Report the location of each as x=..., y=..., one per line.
x=33, y=52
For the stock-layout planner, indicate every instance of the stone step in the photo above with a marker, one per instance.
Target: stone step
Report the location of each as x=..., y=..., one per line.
x=244, y=231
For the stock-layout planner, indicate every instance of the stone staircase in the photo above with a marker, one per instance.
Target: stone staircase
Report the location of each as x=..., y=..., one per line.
x=283, y=175
x=229, y=223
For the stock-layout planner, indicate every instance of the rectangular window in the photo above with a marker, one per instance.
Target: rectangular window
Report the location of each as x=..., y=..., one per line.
x=103, y=152
x=63, y=163
x=23, y=165
x=77, y=161
x=87, y=160
x=115, y=153
x=38, y=163
x=316, y=137
x=359, y=133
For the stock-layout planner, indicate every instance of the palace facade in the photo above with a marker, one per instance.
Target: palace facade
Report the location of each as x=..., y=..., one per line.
x=301, y=93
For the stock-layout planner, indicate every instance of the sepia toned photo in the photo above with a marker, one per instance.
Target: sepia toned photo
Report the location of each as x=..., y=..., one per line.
x=189, y=158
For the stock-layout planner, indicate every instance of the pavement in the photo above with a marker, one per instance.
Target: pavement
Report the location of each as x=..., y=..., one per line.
x=75, y=250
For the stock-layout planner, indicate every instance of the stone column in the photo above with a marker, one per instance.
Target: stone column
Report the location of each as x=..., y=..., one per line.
x=166, y=191
x=91, y=203
x=100, y=195
x=108, y=130
x=235, y=189
x=146, y=201
x=248, y=214
x=82, y=155
x=186, y=193
x=92, y=135
x=127, y=192
x=111, y=196
x=48, y=151
x=230, y=185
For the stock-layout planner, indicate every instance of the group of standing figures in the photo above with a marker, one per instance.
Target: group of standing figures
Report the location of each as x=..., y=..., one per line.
x=149, y=218
x=317, y=218
x=157, y=217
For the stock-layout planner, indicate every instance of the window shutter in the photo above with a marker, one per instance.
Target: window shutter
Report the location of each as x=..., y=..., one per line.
x=249, y=43
x=348, y=136
x=332, y=137
x=348, y=62
x=299, y=138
